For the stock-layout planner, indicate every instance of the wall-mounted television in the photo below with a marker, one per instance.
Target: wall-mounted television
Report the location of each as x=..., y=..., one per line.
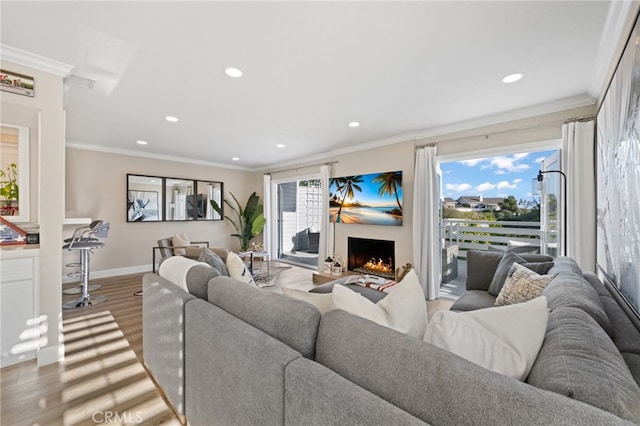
x=195, y=203
x=373, y=199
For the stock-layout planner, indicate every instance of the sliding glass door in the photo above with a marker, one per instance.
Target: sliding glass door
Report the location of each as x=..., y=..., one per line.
x=299, y=210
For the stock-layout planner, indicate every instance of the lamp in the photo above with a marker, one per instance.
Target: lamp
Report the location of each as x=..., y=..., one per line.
x=564, y=204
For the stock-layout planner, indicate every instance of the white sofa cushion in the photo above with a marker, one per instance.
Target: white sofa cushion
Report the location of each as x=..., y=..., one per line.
x=504, y=339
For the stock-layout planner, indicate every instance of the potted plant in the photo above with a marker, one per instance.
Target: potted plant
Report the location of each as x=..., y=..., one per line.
x=9, y=190
x=249, y=220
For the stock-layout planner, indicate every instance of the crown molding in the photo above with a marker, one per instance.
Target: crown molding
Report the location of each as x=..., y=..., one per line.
x=154, y=156
x=519, y=114
x=28, y=59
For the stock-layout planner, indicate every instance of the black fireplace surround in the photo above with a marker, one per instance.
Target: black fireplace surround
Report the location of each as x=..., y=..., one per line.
x=362, y=250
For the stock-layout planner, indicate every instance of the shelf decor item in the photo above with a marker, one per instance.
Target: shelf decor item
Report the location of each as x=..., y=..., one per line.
x=11, y=234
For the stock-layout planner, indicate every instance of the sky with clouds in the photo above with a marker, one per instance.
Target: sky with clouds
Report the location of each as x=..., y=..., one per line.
x=498, y=176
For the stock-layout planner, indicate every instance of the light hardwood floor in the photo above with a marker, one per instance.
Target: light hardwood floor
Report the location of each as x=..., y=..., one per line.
x=102, y=374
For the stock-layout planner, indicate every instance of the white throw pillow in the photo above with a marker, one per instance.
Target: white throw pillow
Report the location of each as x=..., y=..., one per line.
x=522, y=284
x=238, y=269
x=176, y=268
x=180, y=240
x=322, y=301
x=504, y=339
x=404, y=308
x=356, y=304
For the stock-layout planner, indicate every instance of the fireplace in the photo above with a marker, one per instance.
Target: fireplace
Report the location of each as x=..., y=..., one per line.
x=375, y=257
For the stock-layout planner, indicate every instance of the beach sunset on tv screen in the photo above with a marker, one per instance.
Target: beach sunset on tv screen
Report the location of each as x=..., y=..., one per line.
x=373, y=199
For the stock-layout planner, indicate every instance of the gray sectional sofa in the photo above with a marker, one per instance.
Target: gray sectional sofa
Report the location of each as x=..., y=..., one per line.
x=244, y=356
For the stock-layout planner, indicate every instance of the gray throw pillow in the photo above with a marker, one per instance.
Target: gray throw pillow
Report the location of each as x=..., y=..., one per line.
x=502, y=271
x=213, y=260
x=481, y=267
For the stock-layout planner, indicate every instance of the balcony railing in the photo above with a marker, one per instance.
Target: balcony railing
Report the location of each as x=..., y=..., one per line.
x=480, y=234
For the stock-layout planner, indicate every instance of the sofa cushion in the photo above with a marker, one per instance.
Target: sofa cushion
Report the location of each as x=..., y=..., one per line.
x=291, y=321
x=198, y=279
x=472, y=300
x=215, y=261
x=436, y=386
x=238, y=269
x=503, y=339
x=569, y=289
x=502, y=270
x=579, y=360
x=522, y=284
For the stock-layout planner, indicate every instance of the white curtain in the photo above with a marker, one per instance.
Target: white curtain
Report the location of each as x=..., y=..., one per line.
x=266, y=203
x=426, y=227
x=326, y=232
x=578, y=164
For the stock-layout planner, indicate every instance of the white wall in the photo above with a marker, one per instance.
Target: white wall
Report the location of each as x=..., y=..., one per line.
x=96, y=187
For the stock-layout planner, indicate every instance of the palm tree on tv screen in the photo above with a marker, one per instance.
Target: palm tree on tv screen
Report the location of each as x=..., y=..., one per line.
x=346, y=186
x=389, y=184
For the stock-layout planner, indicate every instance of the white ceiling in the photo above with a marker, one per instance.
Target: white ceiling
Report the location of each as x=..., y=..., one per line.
x=398, y=68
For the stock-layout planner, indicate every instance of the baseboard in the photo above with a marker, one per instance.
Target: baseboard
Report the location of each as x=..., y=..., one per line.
x=50, y=354
x=107, y=273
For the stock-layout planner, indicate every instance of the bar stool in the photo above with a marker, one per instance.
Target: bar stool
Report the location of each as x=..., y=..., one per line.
x=84, y=240
x=78, y=272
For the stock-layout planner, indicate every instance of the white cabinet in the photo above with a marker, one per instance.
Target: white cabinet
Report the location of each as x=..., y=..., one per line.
x=20, y=323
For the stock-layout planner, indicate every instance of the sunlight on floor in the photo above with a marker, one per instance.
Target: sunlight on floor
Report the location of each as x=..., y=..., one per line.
x=103, y=381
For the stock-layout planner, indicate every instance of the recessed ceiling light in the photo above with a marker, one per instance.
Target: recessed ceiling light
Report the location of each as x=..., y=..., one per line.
x=280, y=145
x=141, y=142
x=171, y=119
x=354, y=124
x=512, y=77
x=233, y=72
x=235, y=158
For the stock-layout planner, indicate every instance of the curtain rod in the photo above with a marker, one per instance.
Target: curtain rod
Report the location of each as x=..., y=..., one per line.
x=481, y=135
x=580, y=119
x=533, y=126
x=328, y=163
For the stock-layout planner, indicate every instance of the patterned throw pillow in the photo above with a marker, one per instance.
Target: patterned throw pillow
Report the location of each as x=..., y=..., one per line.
x=522, y=285
x=238, y=269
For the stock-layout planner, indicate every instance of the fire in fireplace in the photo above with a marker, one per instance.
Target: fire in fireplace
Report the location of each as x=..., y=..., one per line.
x=368, y=256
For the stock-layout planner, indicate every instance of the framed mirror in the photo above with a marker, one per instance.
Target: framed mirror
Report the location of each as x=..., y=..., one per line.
x=144, y=198
x=157, y=199
x=14, y=173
